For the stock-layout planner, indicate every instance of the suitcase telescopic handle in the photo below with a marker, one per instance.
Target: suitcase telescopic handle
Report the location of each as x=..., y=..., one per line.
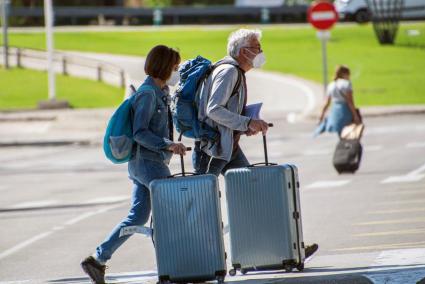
x=182, y=161
x=183, y=173
x=266, y=155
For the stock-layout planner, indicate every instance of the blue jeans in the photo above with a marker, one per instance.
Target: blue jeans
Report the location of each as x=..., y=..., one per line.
x=140, y=207
x=202, y=163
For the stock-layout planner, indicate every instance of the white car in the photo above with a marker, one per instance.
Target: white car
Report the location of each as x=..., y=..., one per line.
x=358, y=11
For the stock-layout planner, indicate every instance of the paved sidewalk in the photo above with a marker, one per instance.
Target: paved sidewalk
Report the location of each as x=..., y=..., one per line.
x=87, y=126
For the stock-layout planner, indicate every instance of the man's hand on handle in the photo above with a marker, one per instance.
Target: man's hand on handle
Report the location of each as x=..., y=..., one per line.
x=177, y=149
x=257, y=125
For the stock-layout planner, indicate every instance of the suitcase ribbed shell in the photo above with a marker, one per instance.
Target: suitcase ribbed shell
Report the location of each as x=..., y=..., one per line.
x=263, y=228
x=187, y=224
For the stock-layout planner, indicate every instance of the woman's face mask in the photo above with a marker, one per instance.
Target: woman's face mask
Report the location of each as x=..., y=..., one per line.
x=174, y=79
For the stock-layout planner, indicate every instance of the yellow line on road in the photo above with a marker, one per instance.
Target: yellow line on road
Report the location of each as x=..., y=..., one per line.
x=420, y=209
x=385, y=222
x=405, y=192
x=382, y=247
x=412, y=201
x=392, y=233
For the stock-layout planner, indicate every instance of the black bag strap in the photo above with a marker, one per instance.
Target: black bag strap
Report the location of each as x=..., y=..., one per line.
x=240, y=74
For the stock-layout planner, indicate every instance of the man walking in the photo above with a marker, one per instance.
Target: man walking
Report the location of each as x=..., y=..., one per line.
x=222, y=103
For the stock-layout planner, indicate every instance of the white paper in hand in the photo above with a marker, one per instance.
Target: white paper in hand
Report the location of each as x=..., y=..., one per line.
x=253, y=110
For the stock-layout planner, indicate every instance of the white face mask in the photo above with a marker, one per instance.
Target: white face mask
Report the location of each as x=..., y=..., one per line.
x=259, y=59
x=174, y=79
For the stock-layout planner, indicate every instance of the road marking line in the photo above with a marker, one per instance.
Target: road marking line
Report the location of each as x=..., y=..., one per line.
x=415, y=145
x=328, y=184
x=381, y=247
x=406, y=178
x=133, y=277
x=41, y=203
x=80, y=218
x=413, y=201
x=392, y=233
x=24, y=244
x=15, y=282
x=406, y=192
x=41, y=236
x=373, y=148
x=317, y=153
x=413, y=176
x=399, y=258
x=109, y=199
x=395, y=129
x=391, y=211
x=385, y=222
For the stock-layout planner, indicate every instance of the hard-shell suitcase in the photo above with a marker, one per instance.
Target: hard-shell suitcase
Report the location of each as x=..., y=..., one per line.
x=188, y=228
x=347, y=156
x=263, y=204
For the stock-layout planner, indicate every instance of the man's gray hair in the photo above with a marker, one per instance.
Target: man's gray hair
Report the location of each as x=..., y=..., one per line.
x=239, y=39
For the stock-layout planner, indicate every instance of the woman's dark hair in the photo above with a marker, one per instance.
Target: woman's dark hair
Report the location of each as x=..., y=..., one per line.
x=341, y=71
x=161, y=61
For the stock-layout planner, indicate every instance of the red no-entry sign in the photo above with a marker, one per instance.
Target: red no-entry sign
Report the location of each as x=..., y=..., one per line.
x=322, y=15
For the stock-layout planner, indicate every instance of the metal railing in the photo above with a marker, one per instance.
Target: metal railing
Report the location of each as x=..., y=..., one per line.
x=170, y=15
x=94, y=69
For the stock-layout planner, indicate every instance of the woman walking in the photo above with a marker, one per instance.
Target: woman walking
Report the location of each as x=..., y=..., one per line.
x=151, y=155
x=343, y=111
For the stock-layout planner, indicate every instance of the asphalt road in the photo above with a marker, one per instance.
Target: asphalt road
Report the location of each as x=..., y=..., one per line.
x=58, y=203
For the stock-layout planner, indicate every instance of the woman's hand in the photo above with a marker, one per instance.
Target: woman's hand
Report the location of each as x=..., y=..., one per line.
x=177, y=149
x=357, y=120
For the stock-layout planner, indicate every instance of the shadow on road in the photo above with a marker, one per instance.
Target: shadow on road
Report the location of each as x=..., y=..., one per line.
x=316, y=275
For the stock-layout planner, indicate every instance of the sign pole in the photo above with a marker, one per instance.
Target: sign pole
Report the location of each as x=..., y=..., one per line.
x=48, y=13
x=325, y=66
x=51, y=103
x=324, y=37
x=4, y=21
x=322, y=15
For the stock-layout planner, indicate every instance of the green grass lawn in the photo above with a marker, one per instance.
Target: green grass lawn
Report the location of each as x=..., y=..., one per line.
x=20, y=88
x=381, y=75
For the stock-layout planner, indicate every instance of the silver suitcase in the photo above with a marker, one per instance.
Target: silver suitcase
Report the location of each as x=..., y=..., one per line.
x=188, y=229
x=263, y=205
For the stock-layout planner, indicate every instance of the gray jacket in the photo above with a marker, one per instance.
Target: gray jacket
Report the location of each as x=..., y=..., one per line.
x=221, y=110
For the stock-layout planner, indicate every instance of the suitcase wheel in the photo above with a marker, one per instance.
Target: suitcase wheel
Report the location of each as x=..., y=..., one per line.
x=244, y=271
x=232, y=272
x=288, y=268
x=300, y=267
x=220, y=279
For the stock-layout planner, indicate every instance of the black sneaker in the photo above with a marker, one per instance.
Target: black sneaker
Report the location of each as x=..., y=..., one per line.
x=310, y=250
x=94, y=270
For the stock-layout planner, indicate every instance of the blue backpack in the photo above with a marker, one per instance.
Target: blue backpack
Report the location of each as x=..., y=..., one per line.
x=118, y=140
x=193, y=73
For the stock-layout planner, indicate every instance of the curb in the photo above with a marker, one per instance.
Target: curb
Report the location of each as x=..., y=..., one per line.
x=382, y=111
x=46, y=143
x=62, y=206
x=330, y=279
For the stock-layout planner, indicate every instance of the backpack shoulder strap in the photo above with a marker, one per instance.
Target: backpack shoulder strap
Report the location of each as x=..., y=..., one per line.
x=240, y=73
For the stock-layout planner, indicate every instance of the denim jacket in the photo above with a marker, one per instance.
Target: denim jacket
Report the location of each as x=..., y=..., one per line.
x=151, y=130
